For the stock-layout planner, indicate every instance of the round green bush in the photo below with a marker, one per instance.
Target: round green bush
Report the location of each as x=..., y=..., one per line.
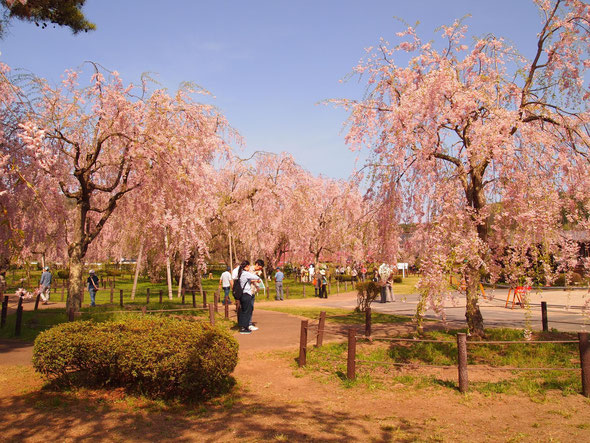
x=64, y=274
x=367, y=292
x=158, y=356
x=575, y=279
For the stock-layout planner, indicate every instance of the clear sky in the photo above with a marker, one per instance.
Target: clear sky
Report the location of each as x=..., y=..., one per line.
x=267, y=63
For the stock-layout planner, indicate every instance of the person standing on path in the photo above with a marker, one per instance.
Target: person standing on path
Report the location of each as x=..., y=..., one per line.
x=386, y=277
x=279, y=277
x=92, y=286
x=257, y=270
x=225, y=283
x=244, y=279
x=322, y=284
x=45, y=285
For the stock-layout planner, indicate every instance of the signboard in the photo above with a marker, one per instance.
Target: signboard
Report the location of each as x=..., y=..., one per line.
x=402, y=267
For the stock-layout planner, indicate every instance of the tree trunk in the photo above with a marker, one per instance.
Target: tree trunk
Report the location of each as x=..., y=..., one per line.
x=266, y=294
x=76, y=281
x=477, y=200
x=233, y=242
x=76, y=253
x=137, y=267
x=168, y=271
x=200, y=284
x=180, y=279
x=231, y=261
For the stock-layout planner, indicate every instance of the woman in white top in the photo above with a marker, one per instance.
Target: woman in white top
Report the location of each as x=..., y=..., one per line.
x=245, y=278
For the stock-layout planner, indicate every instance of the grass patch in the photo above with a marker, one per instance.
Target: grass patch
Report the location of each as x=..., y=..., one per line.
x=375, y=360
x=124, y=281
x=33, y=323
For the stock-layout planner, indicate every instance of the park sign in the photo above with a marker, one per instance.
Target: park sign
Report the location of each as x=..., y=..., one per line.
x=402, y=267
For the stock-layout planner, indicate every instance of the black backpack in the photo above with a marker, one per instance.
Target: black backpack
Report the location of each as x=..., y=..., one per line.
x=237, y=289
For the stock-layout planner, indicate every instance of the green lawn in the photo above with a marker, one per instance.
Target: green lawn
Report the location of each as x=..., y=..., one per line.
x=18, y=278
x=331, y=360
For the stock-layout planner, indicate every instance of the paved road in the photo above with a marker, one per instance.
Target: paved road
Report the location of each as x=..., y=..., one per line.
x=565, y=308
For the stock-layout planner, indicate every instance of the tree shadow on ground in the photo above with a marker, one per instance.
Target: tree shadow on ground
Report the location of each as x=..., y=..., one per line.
x=10, y=345
x=51, y=416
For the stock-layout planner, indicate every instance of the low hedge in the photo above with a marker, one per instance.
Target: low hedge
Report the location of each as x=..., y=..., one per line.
x=561, y=280
x=367, y=292
x=345, y=278
x=63, y=274
x=157, y=356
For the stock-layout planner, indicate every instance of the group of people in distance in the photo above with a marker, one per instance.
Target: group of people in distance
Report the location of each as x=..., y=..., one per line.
x=248, y=277
x=47, y=278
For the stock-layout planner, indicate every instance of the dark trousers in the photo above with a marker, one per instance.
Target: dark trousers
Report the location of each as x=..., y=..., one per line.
x=324, y=291
x=245, y=312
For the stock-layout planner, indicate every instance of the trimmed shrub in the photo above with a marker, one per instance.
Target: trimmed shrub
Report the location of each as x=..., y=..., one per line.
x=367, y=292
x=157, y=356
x=575, y=279
x=397, y=279
x=64, y=274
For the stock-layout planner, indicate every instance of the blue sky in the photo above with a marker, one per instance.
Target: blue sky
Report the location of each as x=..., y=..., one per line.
x=267, y=63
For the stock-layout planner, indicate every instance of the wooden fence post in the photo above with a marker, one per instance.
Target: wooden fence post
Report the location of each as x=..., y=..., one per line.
x=147, y=296
x=19, y=317
x=143, y=310
x=303, y=344
x=351, y=360
x=226, y=311
x=204, y=300
x=368, y=323
x=544, y=316
x=211, y=315
x=585, y=362
x=121, y=297
x=37, y=300
x=321, y=325
x=182, y=293
x=111, y=297
x=462, y=362
x=161, y=295
x=216, y=300
x=63, y=289
x=4, y=311
x=112, y=293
